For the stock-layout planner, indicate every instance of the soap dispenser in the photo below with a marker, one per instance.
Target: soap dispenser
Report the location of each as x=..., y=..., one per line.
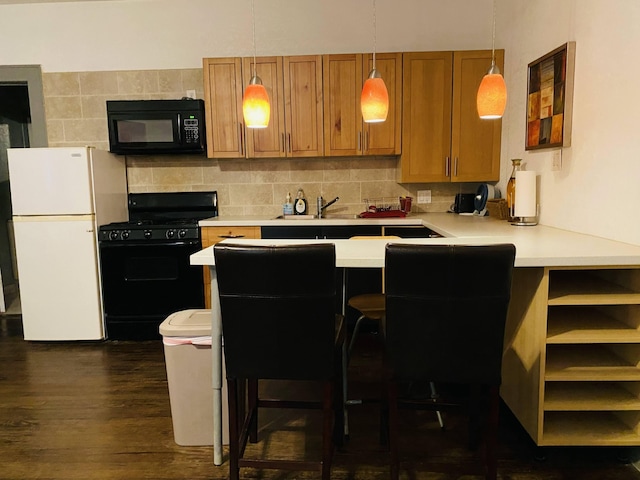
x=300, y=205
x=287, y=207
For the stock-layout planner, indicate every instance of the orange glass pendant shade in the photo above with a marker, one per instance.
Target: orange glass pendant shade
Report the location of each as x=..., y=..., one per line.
x=492, y=96
x=255, y=105
x=374, y=100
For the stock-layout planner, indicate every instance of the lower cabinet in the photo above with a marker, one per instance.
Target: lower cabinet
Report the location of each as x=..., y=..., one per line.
x=353, y=281
x=211, y=236
x=571, y=371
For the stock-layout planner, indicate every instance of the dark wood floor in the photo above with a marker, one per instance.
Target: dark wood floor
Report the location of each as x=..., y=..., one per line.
x=101, y=411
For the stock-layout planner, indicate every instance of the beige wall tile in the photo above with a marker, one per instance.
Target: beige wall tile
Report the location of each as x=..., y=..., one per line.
x=171, y=81
x=63, y=107
x=60, y=84
x=251, y=194
x=98, y=83
x=88, y=131
x=55, y=131
x=95, y=106
x=227, y=171
x=174, y=176
x=138, y=82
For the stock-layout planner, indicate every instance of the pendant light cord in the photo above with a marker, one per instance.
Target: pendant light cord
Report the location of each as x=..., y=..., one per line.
x=253, y=25
x=374, y=34
x=493, y=36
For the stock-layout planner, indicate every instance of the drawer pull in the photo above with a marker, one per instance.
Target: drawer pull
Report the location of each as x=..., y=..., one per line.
x=230, y=236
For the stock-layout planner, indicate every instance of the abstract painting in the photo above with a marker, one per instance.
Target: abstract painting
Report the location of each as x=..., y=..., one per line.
x=550, y=98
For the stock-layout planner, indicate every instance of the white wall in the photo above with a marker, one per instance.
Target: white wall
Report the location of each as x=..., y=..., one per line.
x=596, y=190
x=161, y=34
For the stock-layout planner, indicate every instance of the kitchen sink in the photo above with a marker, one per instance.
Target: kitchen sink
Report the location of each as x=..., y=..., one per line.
x=328, y=216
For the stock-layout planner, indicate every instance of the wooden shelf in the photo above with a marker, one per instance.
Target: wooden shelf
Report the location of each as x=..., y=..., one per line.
x=587, y=396
x=587, y=325
x=587, y=362
x=587, y=429
x=583, y=288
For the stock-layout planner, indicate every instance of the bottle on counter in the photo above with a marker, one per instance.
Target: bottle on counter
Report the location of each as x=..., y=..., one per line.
x=511, y=188
x=287, y=207
x=300, y=205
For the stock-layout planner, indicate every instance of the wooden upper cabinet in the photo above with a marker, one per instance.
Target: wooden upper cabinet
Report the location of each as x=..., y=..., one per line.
x=384, y=138
x=303, y=106
x=294, y=86
x=267, y=142
x=443, y=138
x=223, y=107
x=475, y=143
x=345, y=133
x=426, y=116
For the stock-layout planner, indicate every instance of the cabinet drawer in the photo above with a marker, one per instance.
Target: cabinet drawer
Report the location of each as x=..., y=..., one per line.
x=213, y=235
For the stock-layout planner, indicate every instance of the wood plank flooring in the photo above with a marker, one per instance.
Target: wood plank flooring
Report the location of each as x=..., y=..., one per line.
x=100, y=411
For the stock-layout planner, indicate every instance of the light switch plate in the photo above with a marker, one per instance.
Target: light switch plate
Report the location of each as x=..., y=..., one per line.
x=556, y=161
x=424, y=196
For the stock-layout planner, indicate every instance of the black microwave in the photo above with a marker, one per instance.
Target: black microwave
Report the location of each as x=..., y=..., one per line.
x=141, y=127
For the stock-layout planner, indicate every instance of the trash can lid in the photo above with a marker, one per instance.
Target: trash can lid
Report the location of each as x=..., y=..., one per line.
x=187, y=323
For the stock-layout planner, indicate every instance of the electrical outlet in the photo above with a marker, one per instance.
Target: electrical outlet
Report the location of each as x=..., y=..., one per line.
x=556, y=161
x=424, y=196
x=191, y=94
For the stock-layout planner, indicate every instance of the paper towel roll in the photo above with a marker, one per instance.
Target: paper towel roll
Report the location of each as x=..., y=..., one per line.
x=526, y=199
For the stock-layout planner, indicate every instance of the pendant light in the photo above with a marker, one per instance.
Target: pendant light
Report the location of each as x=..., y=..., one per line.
x=255, y=102
x=492, y=93
x=374, y=100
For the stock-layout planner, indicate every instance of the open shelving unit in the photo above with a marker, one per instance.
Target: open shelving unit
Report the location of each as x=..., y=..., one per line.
x=572, y=356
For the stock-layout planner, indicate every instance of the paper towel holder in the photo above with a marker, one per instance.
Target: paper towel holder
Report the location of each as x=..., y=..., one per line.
x=527, y=221
x=527, y=207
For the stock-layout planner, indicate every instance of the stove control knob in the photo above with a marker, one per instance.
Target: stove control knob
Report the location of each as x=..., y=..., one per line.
x=125, y=234
x=147, y=234
x=113, y=235
x=182, y=233
x=171, y=233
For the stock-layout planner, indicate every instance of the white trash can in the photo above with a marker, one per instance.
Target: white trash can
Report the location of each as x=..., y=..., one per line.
x=187, y=349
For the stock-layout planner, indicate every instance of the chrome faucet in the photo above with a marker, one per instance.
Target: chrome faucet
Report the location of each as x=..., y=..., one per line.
x=321, y=205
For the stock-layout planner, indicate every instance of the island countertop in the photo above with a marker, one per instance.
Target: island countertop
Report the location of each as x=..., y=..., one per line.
x=536, y=246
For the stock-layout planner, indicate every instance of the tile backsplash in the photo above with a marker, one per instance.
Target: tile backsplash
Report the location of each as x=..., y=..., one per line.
x=75, y=107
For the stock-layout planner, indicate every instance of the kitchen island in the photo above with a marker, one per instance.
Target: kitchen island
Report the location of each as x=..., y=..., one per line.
x=572, y=343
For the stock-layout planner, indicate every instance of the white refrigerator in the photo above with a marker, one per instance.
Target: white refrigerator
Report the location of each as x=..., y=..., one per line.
x=60, y=196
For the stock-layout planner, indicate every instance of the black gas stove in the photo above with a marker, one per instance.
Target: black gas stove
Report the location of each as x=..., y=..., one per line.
x=145, y=268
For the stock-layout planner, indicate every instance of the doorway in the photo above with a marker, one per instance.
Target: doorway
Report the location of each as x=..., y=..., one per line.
x=22, y=125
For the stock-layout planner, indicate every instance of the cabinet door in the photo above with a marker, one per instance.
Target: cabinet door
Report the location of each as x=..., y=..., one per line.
x=267, y=142
x=475, y=143
x=384, y=138
x=303, y=106
x=223, y=107
x=342, y=76
x=211, y=236
x=426, y=117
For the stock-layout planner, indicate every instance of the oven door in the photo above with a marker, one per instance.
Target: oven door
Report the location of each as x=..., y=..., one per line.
x=142, y=283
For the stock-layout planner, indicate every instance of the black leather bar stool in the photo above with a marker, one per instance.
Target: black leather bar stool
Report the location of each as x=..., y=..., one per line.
x=448, y=327
x=279, y=322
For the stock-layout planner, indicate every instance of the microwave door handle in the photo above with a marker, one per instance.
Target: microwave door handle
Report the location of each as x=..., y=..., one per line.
x=179, y=128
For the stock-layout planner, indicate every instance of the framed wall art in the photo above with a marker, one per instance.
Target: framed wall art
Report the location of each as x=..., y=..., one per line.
x=550, y=98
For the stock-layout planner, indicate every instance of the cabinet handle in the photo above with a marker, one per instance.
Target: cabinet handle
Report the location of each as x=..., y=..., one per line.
x=230, y=236
x=455, y=167
x=359, y=141
x=446, y=166
x=240, y=128
x=282, y=147
x=289, y=141
x=366, y=141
